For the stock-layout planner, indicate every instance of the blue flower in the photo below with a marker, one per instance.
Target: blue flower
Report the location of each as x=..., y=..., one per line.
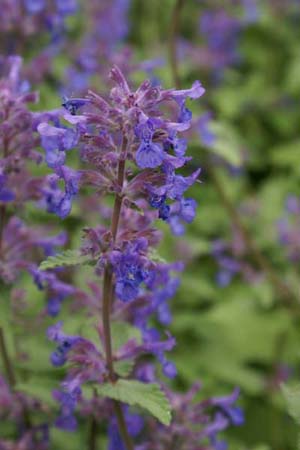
x=56, y=141
x=54, y=305
x=34, y=6
x=73, y=104
x=55, y=200
x=187, y=209
x=149, y=155
x=68, y=400
x=169, y=369
x=65, y=344
x=185, y=115
x=66, y=7
x=6, y=195
x=130, y=273
x=115, y=441
x=226, y=405
x=164, y=211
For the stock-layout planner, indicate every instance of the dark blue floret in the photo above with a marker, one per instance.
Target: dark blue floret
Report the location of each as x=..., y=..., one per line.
x=164, y=212
x=73, y=104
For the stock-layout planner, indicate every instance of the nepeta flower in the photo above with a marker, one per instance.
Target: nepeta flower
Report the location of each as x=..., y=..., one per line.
x=55, y=200
x=65, y=344
x=130, y=270
x=68, y=401
x=56, y=141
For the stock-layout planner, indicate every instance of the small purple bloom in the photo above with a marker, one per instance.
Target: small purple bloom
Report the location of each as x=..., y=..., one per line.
x=73, y=104
x=34, y=6
x=68, y=400
x=56, y=141
x=66, y=7
x=149, y=155
x=130, y=273
x=6, y=195
x=188, y=209
x=169, y=369
x=65, y=344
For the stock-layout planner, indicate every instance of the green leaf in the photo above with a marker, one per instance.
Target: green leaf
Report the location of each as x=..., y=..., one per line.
x=292, y=397
x=123, y=368
x=146, y=395
x=67, y=258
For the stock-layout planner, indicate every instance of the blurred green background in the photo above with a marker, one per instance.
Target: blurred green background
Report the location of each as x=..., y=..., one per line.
x=246, y=333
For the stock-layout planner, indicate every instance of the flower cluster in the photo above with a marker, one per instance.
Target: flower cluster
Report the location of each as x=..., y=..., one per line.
x=23, y=245
x=131, y=148
x=25, y=19
x=18, y=142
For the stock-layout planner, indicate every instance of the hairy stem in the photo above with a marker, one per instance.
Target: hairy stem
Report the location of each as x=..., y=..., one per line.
x=92, y=444
x=122, y=426
x=288, y=296
x=3, y=211
x=6, y=361
x=107, y=299
x=108, y=289
x=92, y=439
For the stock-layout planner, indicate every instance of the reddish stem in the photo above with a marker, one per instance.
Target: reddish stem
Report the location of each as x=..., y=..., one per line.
x=108, y=289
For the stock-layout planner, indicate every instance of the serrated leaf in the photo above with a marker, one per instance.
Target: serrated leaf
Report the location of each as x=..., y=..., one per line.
x=67, y=258
x=292, y=397
x=146, y=395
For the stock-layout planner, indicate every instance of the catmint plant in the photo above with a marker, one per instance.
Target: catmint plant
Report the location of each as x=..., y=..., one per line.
x=22, y=244
x=131, y=148
x=38, y=28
